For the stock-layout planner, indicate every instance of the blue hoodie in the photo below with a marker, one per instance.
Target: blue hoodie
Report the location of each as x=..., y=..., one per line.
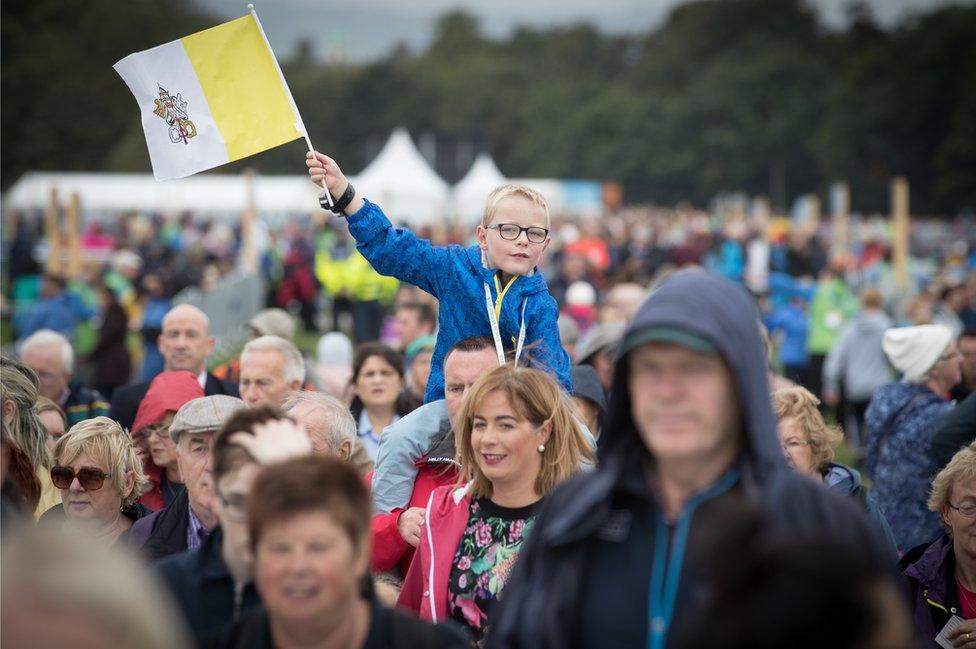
x=582, y=575
x=900, y=418
x=456, y=276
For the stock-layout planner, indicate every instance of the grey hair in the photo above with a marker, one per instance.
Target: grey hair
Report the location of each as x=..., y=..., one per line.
x=18, y=384
x=47, y=337
x=294, y=367
x=339, y=424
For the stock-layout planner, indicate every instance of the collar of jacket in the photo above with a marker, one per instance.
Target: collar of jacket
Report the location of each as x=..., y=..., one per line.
x=210, y=560
x=592, y=505
x=526, y=284
x=934, y=570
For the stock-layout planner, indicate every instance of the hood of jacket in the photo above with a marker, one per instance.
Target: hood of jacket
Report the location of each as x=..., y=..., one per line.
x=889, y=398
x=167, y=393
x=723, y=313
x=842, y=478
x=871, y=322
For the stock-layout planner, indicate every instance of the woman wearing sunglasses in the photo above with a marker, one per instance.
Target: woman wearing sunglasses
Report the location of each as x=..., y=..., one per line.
x=100, y=477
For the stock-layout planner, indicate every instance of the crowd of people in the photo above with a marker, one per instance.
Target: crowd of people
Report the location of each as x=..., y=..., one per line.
x=653, y=431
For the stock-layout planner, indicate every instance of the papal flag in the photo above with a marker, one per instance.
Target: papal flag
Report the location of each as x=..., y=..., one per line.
x=210, y=98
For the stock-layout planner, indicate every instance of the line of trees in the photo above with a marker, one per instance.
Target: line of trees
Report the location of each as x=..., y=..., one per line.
x=752, y=95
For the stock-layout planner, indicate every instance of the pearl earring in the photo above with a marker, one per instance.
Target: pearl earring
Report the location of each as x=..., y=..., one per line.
x=542, y=448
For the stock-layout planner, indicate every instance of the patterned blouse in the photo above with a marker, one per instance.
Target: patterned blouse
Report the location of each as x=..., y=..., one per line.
x=484, y=560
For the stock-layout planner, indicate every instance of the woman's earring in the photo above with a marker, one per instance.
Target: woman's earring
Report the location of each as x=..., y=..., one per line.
x=542, y=448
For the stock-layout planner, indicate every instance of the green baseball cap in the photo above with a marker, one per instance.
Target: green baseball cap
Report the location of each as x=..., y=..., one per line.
x=664, y=334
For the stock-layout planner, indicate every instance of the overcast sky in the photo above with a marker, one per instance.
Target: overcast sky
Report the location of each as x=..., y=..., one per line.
x=368, y=29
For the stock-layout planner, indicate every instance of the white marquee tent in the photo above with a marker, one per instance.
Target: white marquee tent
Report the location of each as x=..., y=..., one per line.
x=217, y=194
x=470, y=192
x=400, y=180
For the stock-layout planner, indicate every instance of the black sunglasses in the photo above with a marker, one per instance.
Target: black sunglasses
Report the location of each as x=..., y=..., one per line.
x=90, y=478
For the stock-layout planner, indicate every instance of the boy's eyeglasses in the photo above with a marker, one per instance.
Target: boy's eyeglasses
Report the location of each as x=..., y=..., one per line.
x=511, y=232
x=90, y=478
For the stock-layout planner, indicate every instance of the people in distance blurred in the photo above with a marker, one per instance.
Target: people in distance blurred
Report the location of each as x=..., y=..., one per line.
x=110, y=357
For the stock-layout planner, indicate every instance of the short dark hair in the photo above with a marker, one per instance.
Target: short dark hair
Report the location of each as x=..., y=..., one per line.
x=969, y=332
x=228, y=456
x=472, y=344
x=310, y=484
x=425, y=312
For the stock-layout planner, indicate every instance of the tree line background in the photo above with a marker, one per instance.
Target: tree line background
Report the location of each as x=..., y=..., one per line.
x=751, y=95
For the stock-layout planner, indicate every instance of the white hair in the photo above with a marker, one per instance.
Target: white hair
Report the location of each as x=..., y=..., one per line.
x=46, y=338
x=294, y=367
x=338, y=423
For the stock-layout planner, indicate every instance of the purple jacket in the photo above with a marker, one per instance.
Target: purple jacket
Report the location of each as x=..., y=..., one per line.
x=929, y=573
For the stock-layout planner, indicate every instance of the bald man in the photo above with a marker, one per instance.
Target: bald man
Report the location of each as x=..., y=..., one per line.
x=185, y=343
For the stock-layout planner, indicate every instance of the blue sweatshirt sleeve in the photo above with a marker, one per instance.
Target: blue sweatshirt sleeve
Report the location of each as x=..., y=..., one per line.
x=398, y=252
x=544, y=329
x=402, y=445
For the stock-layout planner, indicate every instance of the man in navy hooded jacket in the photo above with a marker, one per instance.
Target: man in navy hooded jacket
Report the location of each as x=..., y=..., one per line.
x=613, y=559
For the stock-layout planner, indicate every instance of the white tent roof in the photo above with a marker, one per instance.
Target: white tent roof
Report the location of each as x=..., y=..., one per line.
x=471, y=191
x=401, y=181
x=203, y=193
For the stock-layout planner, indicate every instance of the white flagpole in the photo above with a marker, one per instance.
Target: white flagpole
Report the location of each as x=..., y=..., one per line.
x=299, y=124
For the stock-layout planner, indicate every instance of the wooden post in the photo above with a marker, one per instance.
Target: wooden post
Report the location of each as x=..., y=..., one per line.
x=72, y=220
x=841, y=217
x=52, y=235
x=248, y=254
x=899, y=232
x=813, y=214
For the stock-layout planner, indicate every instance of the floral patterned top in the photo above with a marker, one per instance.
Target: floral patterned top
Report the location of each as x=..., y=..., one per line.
x=484, y=560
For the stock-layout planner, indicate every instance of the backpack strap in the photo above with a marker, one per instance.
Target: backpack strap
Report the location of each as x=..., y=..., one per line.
x=886, y=430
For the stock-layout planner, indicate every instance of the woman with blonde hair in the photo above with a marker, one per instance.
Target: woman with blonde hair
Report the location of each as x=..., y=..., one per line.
x=22, y=427
x=809, y=443
x=517, y=438
x=100, y=478
x=941, y=575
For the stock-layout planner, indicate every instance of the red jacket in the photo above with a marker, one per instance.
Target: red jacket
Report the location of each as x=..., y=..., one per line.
x=425, y=587
x=389, y=548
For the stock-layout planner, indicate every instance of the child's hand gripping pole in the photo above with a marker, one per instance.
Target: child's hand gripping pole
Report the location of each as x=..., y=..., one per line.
x=325, y=172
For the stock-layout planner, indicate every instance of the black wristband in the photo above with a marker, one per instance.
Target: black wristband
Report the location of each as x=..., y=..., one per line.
x=340, y=204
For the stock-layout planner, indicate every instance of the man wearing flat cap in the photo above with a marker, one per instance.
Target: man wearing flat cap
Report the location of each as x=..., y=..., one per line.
x=189, y=519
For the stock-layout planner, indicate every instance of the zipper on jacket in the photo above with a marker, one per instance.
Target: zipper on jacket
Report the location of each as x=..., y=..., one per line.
x=238, y=600
x=501, y=293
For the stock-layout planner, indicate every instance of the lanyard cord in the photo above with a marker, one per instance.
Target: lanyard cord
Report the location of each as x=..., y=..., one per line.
x=496, y=332
x=666, y=572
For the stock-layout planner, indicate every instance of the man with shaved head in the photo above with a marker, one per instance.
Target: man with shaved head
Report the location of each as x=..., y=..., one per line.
x=185, y=343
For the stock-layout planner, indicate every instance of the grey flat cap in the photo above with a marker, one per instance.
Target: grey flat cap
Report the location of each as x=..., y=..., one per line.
x=274, y=322
x=204, y=415
x=601, y=337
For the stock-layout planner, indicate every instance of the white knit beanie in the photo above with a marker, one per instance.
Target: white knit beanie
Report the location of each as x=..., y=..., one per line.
x=914, y=350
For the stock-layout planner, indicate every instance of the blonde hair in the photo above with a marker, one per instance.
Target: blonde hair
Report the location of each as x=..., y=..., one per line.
x=102, y=439
x=46, y=405
x=18, y=384
x=505, y=191
x=536, y=397
x=962, y=466
x=800, y=404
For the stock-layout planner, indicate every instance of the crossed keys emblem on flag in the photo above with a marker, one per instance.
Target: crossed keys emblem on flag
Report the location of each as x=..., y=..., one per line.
x=173, y=110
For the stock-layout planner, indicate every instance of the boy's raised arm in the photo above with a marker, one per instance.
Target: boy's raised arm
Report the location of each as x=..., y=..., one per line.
x=396, y=252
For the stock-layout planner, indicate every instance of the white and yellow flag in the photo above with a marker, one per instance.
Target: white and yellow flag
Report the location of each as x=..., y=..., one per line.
x=211, y=98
